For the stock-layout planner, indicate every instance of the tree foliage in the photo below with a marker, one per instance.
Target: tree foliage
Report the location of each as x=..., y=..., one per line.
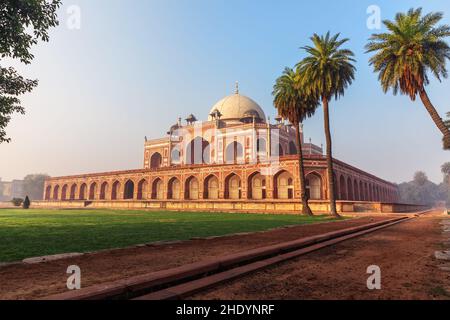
x=33, y=185
x=413, y=49
x=290, y=100
x=22, y=24
x=17, y=202
x=422, y=191
x=420, y=178
x=327, y=70
x=445, y=169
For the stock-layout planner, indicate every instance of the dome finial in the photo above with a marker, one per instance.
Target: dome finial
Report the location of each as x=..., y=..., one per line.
x=236, y=87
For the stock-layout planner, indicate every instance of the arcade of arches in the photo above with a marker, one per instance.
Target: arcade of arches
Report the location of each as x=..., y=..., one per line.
x=226, y=182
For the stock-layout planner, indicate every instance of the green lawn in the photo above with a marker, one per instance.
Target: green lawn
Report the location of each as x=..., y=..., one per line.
x=30, y=233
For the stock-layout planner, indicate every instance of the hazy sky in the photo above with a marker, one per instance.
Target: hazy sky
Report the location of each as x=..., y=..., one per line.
x=135, y=66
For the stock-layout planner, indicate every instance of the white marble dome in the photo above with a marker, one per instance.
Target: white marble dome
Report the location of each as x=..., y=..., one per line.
x=236, y=107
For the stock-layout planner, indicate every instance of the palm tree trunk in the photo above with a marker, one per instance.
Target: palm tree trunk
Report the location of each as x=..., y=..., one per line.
x=301, y=170
x=436, y=118
x=331, y=192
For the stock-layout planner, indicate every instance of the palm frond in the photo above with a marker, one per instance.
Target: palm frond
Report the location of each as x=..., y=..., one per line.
x=411, y=50
x=327, y=70
x=291, y=101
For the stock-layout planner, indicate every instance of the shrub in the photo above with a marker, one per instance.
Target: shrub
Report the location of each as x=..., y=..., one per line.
x=26, y=203
x=17, y=202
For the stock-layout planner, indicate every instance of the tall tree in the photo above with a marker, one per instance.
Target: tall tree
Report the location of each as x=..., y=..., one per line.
x=422, y=191
x=420, y=178
x=33, y=186
x=326, y=72
x=22, y=24
x=405, y=56
x=445, y=169
x=293, y=104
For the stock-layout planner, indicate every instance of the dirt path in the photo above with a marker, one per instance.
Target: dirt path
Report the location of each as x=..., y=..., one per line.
x=405, y=254
x=40, y=280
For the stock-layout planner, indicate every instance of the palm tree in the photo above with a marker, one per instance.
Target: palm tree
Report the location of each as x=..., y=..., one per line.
x=295, y=106
x=326, y=72
x=412, y=49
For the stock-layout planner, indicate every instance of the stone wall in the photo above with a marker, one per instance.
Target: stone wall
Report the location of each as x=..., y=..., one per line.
x=281, y=207
x=6, y=204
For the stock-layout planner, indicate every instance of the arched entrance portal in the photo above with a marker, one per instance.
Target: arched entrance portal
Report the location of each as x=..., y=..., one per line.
x=55, y=192
x=174, y=189
x=157, y=189
x=362, y=194
x=355, y=190
x=233, y=187
x=342, y=189
x=93, y=191
x=64, y=192
x=48, y=191
x=128, y=191
x=313, y=186
x=198, y=151
x=155, y=160
x=191, y=189
x=283, y=185
x=142, y=190
x=234, y=153
x=350, y=194
x=115, y=190
x=261, y=146
x=256, y=186
x=83, y=189
x=211, y=188
x=103, y=190
x=73, y=191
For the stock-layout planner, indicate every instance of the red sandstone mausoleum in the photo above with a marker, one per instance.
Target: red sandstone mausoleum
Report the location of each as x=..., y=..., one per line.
x=237, y=160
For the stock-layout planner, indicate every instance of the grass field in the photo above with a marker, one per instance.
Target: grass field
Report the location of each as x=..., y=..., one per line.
x=31, y=233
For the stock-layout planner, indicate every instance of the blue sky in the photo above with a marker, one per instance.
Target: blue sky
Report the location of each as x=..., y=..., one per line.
x=135, y=66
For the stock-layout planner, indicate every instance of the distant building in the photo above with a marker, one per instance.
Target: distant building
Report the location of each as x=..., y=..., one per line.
x=10, y=190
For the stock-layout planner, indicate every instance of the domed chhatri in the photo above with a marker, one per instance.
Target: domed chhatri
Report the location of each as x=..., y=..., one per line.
x=236, y=107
